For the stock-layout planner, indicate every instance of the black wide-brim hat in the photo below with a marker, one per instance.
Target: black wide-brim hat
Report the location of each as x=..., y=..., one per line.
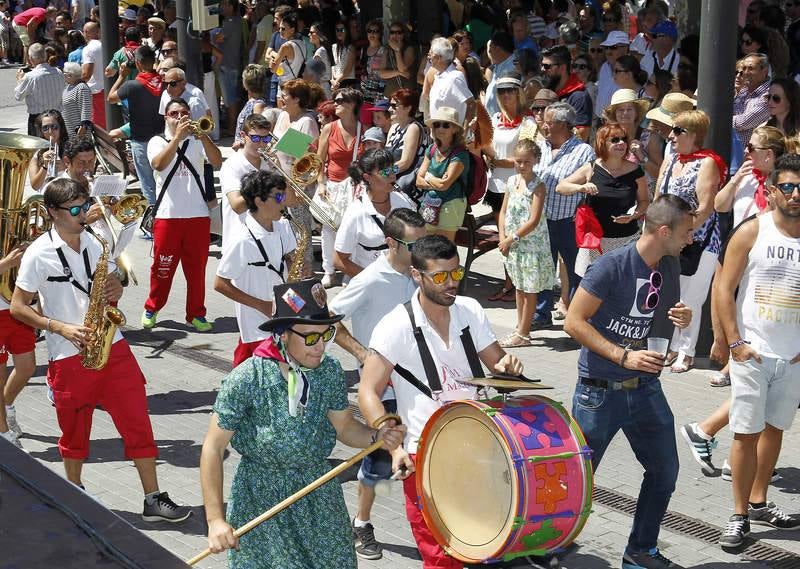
x=302, y=302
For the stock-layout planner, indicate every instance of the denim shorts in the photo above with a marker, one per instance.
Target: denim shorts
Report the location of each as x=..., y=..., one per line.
x=229, y=80
x=762, y=393
x=377, y=465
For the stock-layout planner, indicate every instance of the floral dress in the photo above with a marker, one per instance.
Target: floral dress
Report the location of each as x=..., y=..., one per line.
x=529, y=262
x=280, y=455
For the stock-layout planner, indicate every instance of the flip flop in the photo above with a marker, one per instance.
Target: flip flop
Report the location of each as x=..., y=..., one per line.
x=515, y=340
x=670, y=359
x=682, y=366
x=500, y=294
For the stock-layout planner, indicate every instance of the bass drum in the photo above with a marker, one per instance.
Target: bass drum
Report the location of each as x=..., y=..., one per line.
x=501, y=480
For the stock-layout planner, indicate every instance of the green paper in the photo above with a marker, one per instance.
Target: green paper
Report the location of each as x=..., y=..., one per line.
x=294, y=143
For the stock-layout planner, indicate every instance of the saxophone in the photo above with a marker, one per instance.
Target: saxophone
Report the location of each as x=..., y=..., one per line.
x=102, y=318
x=303, y=240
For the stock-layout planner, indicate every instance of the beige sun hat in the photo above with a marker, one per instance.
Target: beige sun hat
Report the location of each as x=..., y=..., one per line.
x=546, y=95
x=622, y=96
x=446, y=114
x=671, y=105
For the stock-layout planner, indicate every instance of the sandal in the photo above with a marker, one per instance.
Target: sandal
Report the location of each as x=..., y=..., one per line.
x=721, y=380
x=502, y=294
x=670, y=358
x=515, y=340
x=683, y=365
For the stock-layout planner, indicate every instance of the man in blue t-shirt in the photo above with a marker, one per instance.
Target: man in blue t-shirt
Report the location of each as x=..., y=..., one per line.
x=627, y=296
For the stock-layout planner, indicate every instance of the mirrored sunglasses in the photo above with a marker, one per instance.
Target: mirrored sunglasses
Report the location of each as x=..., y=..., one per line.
x=75, y=210
x=312, y=338
x=386, y=172
x=440, y=277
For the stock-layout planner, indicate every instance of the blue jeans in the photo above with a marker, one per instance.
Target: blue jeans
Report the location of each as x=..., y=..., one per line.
x=143, y=169
x=562, y=241
x=646, y=419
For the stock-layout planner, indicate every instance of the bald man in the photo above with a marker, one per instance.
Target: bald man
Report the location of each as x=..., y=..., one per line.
x=92, y=71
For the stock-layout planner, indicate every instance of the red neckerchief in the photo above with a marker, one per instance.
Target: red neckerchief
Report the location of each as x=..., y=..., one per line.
x=706, y=153
x=151, y=81
x=269, y=350
x=506, y=123
x=573, y=84
x=132, y=45
x=761, y=191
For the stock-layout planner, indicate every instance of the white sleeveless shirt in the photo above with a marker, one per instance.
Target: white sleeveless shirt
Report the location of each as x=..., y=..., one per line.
x=768, y=305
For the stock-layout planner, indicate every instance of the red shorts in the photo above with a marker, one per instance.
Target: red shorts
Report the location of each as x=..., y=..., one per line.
x=15, y=337
x=118, y=387
x=433, y=556
x=244, y=351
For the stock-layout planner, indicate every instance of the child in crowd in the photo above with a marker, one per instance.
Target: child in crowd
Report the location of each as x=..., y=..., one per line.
x=524, y=241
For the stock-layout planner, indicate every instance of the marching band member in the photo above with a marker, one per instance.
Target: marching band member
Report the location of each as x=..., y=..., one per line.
x=395, y=354
x=283, y=410
x=255, y=134
x=366, y=299
x=257, y=257
x=60, y=266
x=181, y=231
x=360, y=239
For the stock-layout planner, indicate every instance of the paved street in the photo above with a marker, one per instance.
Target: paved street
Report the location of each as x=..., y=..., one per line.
x=184, y=369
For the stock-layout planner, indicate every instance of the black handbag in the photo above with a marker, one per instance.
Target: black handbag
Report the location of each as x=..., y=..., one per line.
x=690, y=255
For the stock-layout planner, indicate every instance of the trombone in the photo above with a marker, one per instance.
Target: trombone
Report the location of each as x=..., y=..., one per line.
x=304, y=172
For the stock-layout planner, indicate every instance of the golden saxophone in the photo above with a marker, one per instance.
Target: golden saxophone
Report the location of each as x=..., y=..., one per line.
x=102, y=318
x=303, y=241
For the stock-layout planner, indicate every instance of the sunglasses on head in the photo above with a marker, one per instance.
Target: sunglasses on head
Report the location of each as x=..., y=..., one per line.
x=678, y=130
x=440, y=277
x=177, y=114
x=654, y=293
x=773, y=98
x=279, y=197
x=173, y=83
x=386, y=172
x=75, y=210
x=312, y=338
x=580, y=66
x=788, y=188
x=49, y=127
x=618, y=139
x=443, y=125
x=259, y=137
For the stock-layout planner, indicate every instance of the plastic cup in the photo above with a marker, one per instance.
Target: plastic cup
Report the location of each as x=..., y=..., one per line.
x=660, y=345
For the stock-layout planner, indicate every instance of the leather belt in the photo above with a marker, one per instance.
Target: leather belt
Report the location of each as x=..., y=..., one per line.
x=626, y=384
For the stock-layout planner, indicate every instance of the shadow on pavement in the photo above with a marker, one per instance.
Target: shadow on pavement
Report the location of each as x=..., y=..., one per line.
x=402, y=550
x=790, y=480
x=157, y=340
x=181, y=402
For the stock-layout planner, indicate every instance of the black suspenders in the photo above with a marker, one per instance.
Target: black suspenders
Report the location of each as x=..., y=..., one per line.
x=266, y=262
x=68, y=275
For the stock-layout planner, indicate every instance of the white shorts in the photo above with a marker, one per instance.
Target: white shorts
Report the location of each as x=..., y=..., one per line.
x=763, y=393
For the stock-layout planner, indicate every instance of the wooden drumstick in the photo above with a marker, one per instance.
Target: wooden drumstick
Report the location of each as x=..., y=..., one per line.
x=327, y=477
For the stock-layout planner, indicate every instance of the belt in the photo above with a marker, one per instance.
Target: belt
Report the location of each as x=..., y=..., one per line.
x=626, y=384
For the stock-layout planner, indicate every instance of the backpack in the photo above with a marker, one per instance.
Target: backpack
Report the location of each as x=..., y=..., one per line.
x=478, y=180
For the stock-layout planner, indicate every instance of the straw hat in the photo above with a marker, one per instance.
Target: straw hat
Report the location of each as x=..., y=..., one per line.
x=671, y=104
x=546, y=95
x=446, y=114
x=622, y=96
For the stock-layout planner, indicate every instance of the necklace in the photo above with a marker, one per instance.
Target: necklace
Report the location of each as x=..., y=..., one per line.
x=381, y=203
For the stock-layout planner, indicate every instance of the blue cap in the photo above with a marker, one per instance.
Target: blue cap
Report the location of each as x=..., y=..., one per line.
x=665, y=27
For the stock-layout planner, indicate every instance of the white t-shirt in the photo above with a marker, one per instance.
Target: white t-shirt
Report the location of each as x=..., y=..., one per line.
x=194, y=97
x=60, y=300
x=744, y=200
x=393, y=338
x=236, y=265
x=670, y=62
x=605, y=88
x=307, y=124
x=93, y=53
x=183, y=198
x=359, y=229
x=230, y=179
x=450, y=89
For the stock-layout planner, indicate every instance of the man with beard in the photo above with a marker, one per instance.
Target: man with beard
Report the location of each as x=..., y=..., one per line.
x=761, y=326
x=440, y=320
x=627, y=297
x=557, y=66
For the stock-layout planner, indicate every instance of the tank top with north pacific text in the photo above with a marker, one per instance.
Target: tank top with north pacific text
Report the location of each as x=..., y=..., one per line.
x=768, y=304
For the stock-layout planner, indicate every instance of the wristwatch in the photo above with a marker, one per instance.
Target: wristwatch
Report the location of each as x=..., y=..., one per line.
x=515, y=237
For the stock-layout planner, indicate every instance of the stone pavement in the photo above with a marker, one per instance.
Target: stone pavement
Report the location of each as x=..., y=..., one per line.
x=184, y=369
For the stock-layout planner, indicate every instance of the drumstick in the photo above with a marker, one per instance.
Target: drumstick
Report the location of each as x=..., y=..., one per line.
x=327, y=477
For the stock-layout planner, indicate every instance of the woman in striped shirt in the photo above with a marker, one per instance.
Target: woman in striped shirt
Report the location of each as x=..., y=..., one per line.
x=76, y=100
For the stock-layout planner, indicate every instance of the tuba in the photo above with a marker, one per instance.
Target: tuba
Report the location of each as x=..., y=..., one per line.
x=19, y=222
x=203, y=125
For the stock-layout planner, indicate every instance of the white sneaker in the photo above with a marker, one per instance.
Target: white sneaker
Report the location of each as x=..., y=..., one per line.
x=328, y=280
x=11, y=419
x=11, y=437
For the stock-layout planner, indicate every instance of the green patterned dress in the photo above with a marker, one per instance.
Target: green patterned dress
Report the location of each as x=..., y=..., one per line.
x=280, y=455
x=529, y=262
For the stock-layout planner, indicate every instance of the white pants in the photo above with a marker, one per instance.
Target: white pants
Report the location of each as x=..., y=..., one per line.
x=328, y=241
x=210, y=91
x=694, y=291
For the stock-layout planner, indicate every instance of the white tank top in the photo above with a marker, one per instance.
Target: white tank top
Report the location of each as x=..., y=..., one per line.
x=769, y=299
x=291, y=68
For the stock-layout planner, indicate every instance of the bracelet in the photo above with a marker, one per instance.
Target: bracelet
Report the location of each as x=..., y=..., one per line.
x=624, y=357
x=49, y=322
x=737, y=343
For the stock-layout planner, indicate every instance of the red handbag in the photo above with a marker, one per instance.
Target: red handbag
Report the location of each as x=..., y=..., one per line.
x=588, y=231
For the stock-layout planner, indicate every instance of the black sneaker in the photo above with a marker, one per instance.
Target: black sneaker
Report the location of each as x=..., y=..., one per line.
x=701, y=448
x=652, y=559
x=737, y=528
x=772, y=516
x=367, y=547
x=164, y=510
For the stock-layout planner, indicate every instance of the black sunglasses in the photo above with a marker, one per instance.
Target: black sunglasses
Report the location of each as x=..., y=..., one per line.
x=502, y=90
x=374, y=31
x=75, y=210
x=313, y=338
x=774, y=98
x=678, y=130
x=444, y=125
x=538, y=109
x=620, y=71
x=596, y=49
x=748, y=41
x=409, y=244
x=547, y=66
x=618, y=139
x=580, y=66
x=340, y=29
x=787, y=188
x=173, y=83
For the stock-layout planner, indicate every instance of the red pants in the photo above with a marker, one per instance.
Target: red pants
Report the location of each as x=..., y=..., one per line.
x=15, y=337
x=118, y=387
x=433, y=557
x=99, y=109
x=183, y=241
x=244, y=351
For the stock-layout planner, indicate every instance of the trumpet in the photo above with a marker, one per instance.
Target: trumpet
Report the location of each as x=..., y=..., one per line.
x=304, y=172
x=204, y=125
x=52, y=165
